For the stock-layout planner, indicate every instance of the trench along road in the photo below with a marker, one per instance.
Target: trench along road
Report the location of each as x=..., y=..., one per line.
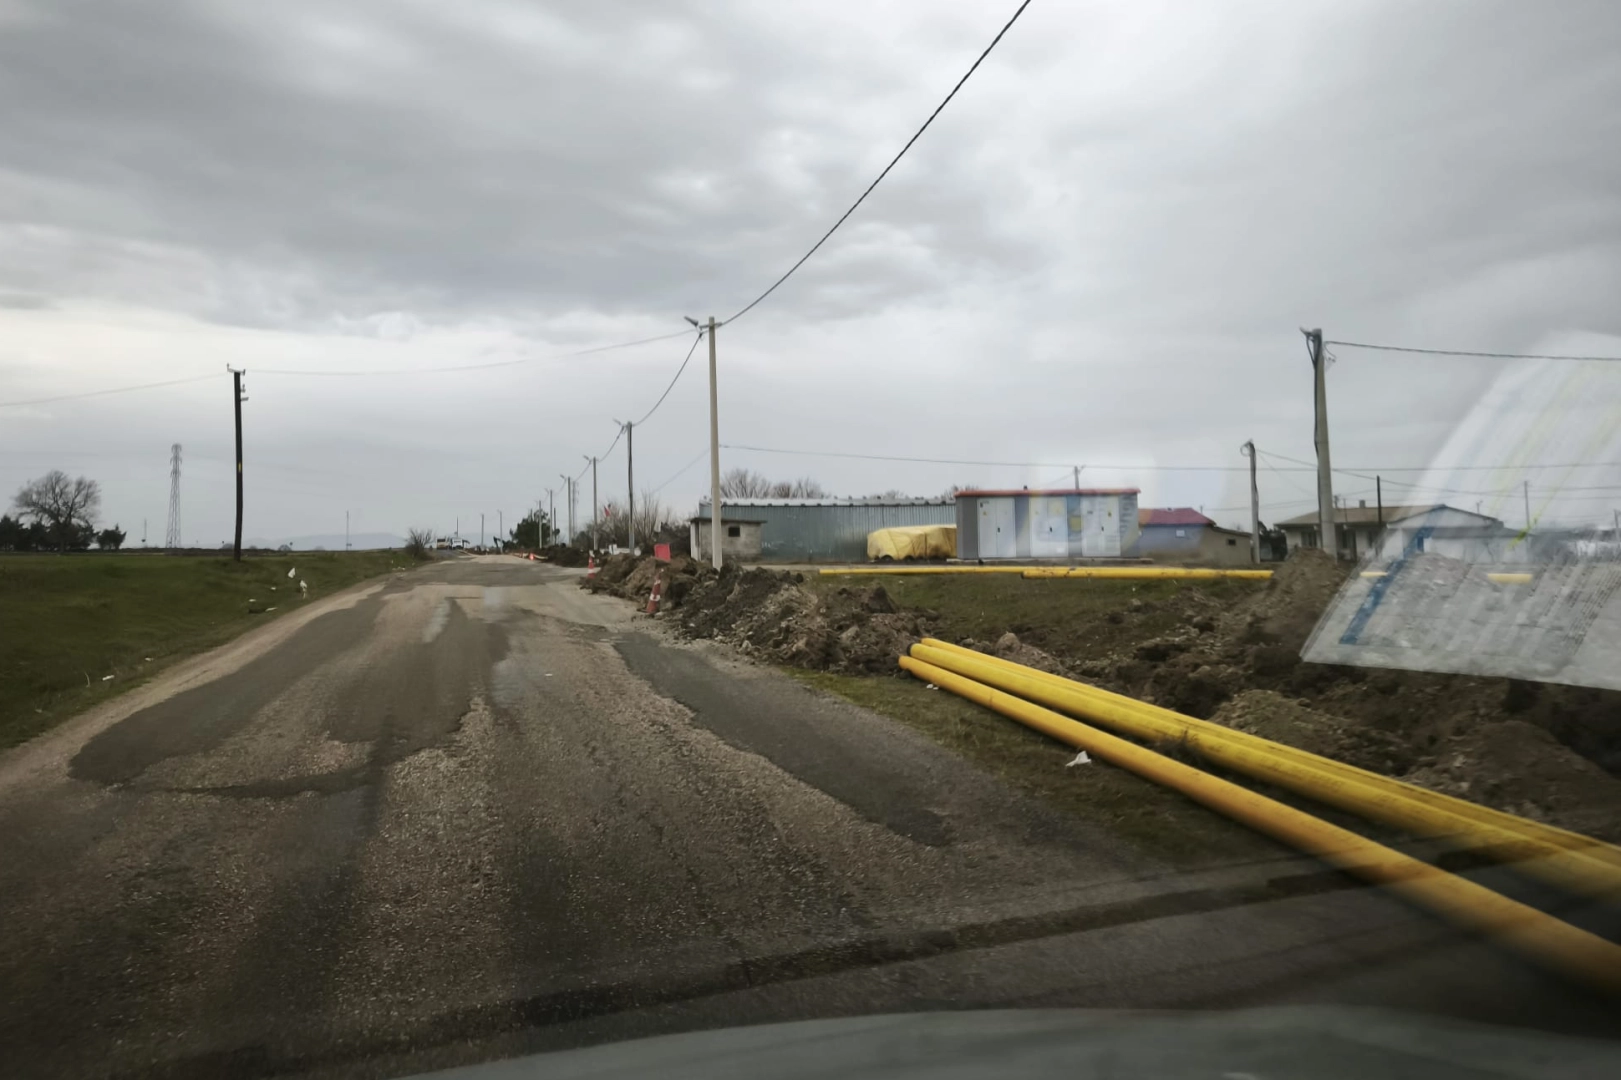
x=473, y=811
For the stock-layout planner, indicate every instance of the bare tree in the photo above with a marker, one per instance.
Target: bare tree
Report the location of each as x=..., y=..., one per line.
x=67, y=508
x=743, y=484
x=806, y=488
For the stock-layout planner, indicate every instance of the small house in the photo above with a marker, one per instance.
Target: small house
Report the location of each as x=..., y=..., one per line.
x=1182, y=534
x=740, y=540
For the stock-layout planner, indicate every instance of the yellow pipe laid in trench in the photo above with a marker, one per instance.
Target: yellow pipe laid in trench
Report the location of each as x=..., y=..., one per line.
x=1178, y=725
x=1146, y=573
x=1542, y=938
x=1320, y=778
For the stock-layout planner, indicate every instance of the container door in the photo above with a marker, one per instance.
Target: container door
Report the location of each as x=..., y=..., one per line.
x=997, y=539
x=1049, y=528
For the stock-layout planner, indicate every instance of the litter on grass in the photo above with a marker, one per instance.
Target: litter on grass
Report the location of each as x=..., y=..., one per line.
x=1080, y=759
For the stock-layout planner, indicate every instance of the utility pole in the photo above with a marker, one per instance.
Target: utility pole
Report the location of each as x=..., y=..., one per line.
x=1255, y=504
x=1527, y=490
x=594, y=503
x=551, y=515
x=1325, y=475
x=568, y=504
x=1379, y=500
x=501, y=527
x=1077, y=477
x=238, y=398
x=346, y=545
x=481, y=529
x=630, y=484
x=714, y=454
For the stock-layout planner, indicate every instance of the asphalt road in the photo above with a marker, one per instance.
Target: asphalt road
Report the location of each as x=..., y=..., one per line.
x=473, y=812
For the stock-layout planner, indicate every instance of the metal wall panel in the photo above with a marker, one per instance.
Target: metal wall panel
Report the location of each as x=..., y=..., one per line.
x=828, y=530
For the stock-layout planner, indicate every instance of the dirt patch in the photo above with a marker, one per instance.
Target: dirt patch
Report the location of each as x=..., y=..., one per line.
x=1519, y=767
x=564, y=555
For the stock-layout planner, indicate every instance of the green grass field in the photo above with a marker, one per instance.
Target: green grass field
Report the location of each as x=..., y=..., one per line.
x=68, y=621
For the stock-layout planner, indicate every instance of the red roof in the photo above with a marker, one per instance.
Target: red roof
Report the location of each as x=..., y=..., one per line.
x=1181, y=515
x=977, y=493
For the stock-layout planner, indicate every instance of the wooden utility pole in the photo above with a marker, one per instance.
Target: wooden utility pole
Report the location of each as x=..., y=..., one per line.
x=1325, y=475
x=238, y=398
x=1255, y=504
x=714, y=455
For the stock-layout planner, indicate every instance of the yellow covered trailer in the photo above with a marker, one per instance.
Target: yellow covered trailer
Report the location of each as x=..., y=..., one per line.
x=909, y=543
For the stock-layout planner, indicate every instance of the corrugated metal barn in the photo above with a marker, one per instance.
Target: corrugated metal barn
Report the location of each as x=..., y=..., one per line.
x=828, y=530
x=1067, y=523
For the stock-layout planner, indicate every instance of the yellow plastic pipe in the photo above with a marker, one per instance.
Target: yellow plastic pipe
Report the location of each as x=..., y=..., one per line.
x=1146, y=573
x=1323, y=779
x=1510, y=579
x=1593, y=850
x=1559, y=946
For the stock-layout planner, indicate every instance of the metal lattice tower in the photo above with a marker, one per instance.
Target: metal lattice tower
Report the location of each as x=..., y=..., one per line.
x=173, y=539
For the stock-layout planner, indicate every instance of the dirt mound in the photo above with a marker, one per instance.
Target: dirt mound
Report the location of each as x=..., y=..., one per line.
x=1516, y=766
x=1273, y=716
x=564, y=555
x=1288, y=607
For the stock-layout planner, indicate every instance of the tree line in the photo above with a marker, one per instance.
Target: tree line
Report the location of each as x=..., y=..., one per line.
x=57, y=513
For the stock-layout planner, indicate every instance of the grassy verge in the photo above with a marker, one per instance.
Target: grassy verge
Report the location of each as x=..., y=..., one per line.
x=68, y=621
x=1067, y=616
x=1158, y=821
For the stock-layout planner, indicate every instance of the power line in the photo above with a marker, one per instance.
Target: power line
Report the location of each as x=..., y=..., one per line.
x=992, y=464
x=673, y=381
x=100, y=393
x=1466, y=352
x=697, y=458
x=893, y=161
x=324, y=372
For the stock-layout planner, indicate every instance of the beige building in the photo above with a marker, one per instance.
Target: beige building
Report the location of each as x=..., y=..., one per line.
x=741, y=540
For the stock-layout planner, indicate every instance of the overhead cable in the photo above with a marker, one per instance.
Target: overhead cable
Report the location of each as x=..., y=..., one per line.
x=893, y=161
x=673, y=381
x=101, y=393
x=327, y=372
x=1466, y=352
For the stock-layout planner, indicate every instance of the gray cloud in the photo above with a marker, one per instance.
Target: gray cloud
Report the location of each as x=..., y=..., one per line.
x=1101, y=252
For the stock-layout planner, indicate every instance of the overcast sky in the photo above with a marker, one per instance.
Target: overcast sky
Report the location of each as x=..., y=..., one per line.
x=1100, y=254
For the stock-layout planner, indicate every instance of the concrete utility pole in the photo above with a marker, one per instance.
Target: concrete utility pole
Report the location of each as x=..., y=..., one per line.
x=1248, y=450
x=594, y=503
x=551, y=516
x=1077, y=469
x=501, y=527
x=630, y=484
x=1527, y=490
x=238, y=398
x=1325, y=476
x=568, y=504
x=714, y=454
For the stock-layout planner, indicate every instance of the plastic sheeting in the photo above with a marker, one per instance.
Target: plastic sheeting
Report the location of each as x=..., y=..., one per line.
x=904, y=543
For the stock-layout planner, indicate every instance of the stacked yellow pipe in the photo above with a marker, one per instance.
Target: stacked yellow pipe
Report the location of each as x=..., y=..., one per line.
x=1146, y=573
x=1575, y=862
x=1540, y=937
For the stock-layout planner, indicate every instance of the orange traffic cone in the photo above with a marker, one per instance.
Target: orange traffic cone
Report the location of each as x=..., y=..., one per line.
x=658, y=591
x=591, y=565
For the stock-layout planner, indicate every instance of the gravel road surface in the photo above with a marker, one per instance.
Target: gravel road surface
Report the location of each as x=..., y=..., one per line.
x=474, y=812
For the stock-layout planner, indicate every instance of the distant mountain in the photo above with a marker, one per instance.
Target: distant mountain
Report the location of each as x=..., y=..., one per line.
x=331, y=541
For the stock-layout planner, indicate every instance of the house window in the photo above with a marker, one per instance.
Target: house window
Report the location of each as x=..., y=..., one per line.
x=1232, y=542
x=1181, y=532
x=734, y=530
